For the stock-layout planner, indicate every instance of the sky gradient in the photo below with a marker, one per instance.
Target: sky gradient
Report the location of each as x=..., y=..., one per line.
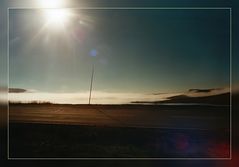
x=133, y=51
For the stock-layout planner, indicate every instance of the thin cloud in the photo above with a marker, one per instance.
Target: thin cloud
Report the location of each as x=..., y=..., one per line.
x=203, y=90
x=206, y=92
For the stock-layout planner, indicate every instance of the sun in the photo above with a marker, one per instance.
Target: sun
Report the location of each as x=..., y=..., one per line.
x=50, y=3
x=55, y=14
x=56, y=17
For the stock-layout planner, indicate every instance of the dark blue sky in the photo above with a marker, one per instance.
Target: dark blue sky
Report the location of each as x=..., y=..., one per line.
x=136, y=50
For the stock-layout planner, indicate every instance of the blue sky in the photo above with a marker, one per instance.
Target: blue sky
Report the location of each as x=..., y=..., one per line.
x=142, y=51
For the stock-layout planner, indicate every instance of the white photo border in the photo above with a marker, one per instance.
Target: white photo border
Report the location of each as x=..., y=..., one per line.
x=128, y=8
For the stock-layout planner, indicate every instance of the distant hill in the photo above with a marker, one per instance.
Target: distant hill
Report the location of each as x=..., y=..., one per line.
x=221, y=99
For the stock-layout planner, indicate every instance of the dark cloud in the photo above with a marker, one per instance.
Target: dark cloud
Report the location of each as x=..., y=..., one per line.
x=222, y=99
x=217, y=96
x=17, y=90
x=203, y=90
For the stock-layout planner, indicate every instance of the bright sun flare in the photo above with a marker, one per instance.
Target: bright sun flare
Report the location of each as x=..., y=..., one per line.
x=56, y=17
x=50, y=3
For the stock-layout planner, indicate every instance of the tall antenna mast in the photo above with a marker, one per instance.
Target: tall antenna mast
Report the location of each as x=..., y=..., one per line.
x=91, y=81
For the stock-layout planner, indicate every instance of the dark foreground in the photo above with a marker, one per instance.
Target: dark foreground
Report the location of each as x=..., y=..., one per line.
x=44, y=140
x=57, y=131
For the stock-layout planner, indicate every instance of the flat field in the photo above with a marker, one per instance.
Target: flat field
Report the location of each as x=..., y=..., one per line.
x=118, y=131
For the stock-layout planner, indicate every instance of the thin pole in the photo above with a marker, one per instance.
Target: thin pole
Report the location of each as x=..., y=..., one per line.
x=91, y=82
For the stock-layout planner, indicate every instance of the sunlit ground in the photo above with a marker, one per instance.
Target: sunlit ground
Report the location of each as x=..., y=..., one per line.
x=118, y=131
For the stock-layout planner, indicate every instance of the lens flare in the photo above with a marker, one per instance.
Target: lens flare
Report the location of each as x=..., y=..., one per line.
x=56, y=17
x=50, y=3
